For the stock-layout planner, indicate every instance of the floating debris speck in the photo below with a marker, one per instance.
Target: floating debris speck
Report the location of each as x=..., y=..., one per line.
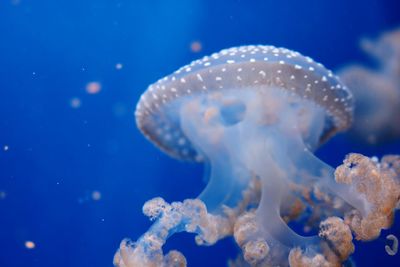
x=392, y=250
x=30, y=244
x=196, y=46
x=93, y=88
x=96, y=195
x=75, y=102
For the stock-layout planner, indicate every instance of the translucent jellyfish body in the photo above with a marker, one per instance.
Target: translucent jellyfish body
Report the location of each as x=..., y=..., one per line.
x=254, y=115
x=377, y=90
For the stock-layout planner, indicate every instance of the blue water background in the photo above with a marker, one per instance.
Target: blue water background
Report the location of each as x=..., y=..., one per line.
x=57, y=155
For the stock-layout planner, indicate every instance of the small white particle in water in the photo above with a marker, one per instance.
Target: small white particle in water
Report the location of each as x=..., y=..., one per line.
x=5, y=148
x=93, y=87
x=196, y=46
x=392, y=250
x=298, y=67
x=75, y=102
x=96, y=195
x=30, y=244
x=230, y=61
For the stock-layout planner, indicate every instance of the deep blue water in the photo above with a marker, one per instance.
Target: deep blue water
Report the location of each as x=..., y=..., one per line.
x=54, y=156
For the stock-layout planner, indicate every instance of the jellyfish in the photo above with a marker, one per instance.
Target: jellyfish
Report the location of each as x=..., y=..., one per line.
x=376, y=90
x=254, y=115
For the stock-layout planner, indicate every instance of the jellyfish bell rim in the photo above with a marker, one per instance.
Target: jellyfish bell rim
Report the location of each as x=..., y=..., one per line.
x=206, y=75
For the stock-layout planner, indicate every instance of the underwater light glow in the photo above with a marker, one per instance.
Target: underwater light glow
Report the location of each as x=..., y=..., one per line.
x=255, y=115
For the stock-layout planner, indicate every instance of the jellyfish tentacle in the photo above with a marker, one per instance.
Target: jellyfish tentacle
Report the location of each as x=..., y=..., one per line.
x=220, y=188
x=269, y=212
x=322, y=175
x=274, y=179
x=199, y=119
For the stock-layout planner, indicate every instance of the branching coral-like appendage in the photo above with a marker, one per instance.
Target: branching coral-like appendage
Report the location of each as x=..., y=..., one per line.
x=378, y=184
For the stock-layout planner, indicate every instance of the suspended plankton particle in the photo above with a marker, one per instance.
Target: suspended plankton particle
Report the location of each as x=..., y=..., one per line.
x=93, y=88
x=96, y=195
x=196, y=46
x=119, y=66
x=6, y=148
x=393, y=249
x=30, y=244
x=75, y=102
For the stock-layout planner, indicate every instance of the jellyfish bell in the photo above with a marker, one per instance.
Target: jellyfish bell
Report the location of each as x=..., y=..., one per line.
x=253, y=115
x=247, y=68
x=246, y=110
